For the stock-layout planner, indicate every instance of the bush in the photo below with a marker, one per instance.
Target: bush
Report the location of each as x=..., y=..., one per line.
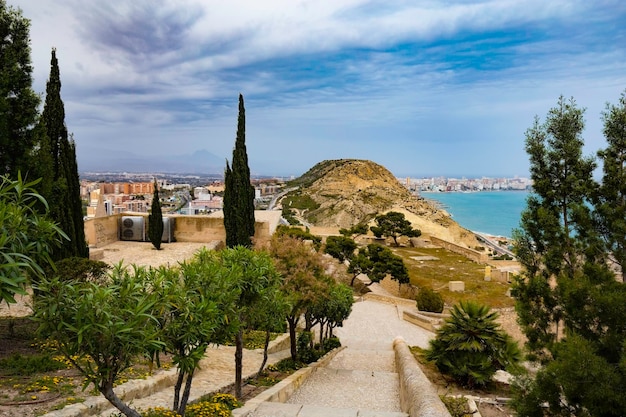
x=429, y=300
x=471, y=346
x=331, y=343
x=80, y=269
x=306, y=353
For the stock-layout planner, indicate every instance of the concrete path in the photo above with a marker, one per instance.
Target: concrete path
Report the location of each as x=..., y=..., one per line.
x=361, y=380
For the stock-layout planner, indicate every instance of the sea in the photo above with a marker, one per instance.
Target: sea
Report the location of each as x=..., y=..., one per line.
x=491, y=212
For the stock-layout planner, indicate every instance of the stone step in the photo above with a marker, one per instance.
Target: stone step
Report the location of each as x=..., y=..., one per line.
x=299, y=410
x=368, y=360
x=346, y=388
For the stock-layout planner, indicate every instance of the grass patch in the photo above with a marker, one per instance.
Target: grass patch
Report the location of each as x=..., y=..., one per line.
x=453, y=267
x=18, y=364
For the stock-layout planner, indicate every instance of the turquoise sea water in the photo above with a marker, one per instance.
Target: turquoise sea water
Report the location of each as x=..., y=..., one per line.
x=492, y=212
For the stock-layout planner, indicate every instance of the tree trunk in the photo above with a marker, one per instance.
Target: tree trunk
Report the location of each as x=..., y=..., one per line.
x=238, y=362
x=117, y=403
x=265, y=346
x=292, y=336
x=177, y=387
x=183, y=401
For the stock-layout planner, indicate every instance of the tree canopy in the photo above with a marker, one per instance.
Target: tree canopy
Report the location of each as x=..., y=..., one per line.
x=394, y=224
x=568, y=299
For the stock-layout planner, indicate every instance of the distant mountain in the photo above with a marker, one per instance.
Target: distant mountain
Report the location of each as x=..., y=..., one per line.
x=201, y=162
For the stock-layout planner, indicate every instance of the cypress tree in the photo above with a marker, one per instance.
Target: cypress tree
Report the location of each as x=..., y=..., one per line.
x=155, y=220
x=64, y=199
x=239, y=192
x=18, y=101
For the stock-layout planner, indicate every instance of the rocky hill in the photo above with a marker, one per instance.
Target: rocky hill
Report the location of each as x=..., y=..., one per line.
x=344, y=192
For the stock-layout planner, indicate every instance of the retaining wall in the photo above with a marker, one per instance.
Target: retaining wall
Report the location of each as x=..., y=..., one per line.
x=471, y=254
x=418, y=397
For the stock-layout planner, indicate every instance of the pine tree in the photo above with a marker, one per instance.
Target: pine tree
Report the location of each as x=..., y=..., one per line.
x=155, y=220
x=18, y=101
x=557, y=238
x=239, y=192
x=611, y=205
x=64, y=198
x=568, y=301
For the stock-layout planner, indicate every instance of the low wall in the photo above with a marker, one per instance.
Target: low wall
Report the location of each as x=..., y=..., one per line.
x=101, y=231
x=424, y=322
x=284, y=389
x=470, y=254
x=418, y=397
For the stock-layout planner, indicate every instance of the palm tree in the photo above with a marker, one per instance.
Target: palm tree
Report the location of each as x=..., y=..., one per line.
x=471, y=346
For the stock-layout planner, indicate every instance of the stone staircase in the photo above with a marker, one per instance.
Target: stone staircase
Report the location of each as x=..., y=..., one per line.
x=355, y=383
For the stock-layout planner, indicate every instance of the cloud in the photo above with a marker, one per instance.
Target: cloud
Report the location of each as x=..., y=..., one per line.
x=392, y=80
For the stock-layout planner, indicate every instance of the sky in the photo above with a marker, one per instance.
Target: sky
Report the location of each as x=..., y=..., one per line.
x=424, y=88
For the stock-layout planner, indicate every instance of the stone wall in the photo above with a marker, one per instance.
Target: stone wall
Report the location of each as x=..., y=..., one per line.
x=418, y=397
x=101, y=231
x=470, y=254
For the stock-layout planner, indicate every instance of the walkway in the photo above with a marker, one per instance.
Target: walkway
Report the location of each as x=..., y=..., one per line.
x=361, y=380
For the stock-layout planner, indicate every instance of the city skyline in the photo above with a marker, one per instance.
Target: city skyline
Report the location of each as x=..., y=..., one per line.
x=422, y=88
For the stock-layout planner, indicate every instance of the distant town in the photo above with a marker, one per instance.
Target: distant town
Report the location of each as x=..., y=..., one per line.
x=107, y=193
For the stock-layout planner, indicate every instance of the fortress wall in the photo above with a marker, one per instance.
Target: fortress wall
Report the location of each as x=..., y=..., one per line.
x=100, y=231
x=471, y=254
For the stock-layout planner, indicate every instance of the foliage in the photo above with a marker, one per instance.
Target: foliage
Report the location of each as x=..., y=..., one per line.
x=79, y=269
x=331, y=343
x=471, y=347
x=357, y=229
x=429, y=300
x=64, y=197
x=155, y=220
x=26, y=237
x=299, y=233
x=393, y=224
x=578, y=382
x=18, y=364
x=109, y=326
x=306, y=352
x=568, y=300
x=385, y=262
x=297, y=200
x=610, y=201
x=330, y=310
x=196, y=307
x=239, y=192
x=18, y=101
x=258, y=302
x=340, y=247
x=304, y=279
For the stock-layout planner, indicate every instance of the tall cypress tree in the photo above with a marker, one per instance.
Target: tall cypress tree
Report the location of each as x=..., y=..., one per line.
x=155, y=220
x=64, y=198
x=239, y=192
x=18, y=101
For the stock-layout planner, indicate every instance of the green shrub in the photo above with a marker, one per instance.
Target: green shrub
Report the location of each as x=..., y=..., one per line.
x=429, y=300
x=80, y=269
x=331, y=343
x=306, y=353
x=471, y=346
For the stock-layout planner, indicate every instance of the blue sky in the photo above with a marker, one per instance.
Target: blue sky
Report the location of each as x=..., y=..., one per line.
x=422, y=87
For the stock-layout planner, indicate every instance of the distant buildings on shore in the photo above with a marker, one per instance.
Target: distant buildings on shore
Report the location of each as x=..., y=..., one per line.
x=445, y=184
